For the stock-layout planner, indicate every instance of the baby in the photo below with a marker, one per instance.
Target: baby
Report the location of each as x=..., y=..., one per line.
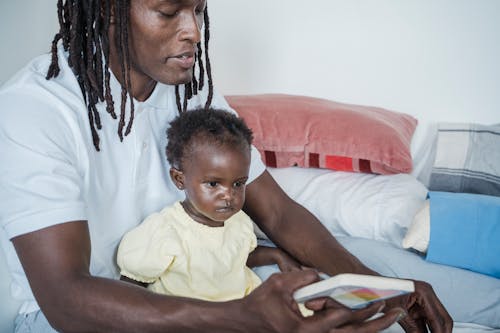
x=203, y=246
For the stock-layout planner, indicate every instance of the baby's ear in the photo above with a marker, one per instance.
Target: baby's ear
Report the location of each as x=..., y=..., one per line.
x=177, y=177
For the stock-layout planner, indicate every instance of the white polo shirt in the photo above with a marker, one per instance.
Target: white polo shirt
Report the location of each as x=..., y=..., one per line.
x=50, y=172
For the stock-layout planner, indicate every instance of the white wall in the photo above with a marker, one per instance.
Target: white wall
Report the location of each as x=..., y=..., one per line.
x=433, y=58
x=26, y=30
x=437, y=58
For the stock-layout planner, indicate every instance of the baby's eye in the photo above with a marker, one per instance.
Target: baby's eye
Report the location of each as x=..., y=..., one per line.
x=212, y=184
x=239, y=184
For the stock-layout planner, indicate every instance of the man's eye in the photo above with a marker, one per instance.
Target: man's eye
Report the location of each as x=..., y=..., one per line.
x=169, y=15
x=200, y=9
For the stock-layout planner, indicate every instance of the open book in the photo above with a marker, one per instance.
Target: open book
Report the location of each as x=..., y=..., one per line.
x=355, y=290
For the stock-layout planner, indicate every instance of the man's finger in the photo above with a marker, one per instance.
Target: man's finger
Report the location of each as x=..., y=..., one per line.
x=412, y=325
x=377, y=324
x=342, y=316
x=434, y=313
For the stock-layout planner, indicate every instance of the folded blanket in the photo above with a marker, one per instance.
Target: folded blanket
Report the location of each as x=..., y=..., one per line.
x=467, y=159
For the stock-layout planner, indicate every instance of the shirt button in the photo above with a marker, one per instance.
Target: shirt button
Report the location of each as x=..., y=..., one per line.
x=144, y=145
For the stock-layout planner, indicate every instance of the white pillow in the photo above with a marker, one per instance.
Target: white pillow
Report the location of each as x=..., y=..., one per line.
x=379, y=207
x=419, y=232
x=423, y=150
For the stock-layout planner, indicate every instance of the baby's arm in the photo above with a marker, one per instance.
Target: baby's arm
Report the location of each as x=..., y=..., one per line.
x=263, y=255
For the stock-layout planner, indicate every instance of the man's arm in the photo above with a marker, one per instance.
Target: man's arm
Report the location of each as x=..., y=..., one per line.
x=56, y=261
x=297, y=231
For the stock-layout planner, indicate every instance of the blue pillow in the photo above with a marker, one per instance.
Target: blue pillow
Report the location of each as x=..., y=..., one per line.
x=465, y=231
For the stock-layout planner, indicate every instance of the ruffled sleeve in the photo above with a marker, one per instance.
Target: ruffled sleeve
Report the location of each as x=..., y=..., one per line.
x=147, y=251
x=246, y=230
x=253, y=241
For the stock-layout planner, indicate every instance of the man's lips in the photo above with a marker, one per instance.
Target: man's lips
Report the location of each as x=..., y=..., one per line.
x=184, y=60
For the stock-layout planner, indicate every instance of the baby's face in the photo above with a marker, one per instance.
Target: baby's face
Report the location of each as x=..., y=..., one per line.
x=214, y=182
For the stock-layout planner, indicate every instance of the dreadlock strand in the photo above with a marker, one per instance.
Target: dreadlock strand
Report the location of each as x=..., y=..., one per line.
x=73, y=37
x=54, y=64
x=89, y=54
x=95, y=136
x=65, y=25
x=199, y=56
x=194, y=83
x=128, y=80
x=97, y=61
x=185, y=102
x=178, y=98
x=54, y=69
x=107, y=75
x=121, y=42
x=189, y=90
x=207, y=59
x=87, y=72
x=60, y=15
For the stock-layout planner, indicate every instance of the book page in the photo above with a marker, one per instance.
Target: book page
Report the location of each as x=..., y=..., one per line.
x=359, y=297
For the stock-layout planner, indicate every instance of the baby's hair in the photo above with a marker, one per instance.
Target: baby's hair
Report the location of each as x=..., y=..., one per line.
x=205, y=125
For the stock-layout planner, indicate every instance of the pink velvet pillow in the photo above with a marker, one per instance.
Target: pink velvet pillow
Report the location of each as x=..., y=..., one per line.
x=311, y=132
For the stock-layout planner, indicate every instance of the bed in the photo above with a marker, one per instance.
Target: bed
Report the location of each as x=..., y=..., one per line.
x=366, y=173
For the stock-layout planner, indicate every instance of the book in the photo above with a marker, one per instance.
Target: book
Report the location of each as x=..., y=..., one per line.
x=355, y=291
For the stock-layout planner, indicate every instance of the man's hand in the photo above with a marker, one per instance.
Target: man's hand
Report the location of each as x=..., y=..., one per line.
x=424, y=310
x=271, y=309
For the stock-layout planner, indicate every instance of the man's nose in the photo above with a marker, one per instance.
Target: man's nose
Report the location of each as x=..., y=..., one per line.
x=190, y=27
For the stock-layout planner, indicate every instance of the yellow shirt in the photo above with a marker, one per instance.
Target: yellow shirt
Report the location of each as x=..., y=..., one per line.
x=179, y=256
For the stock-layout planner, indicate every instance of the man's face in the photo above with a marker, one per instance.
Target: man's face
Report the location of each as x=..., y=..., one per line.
x=162, y=39
x=214, y=182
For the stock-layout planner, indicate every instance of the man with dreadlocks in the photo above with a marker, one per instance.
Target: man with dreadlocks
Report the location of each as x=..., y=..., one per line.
x=82, y=133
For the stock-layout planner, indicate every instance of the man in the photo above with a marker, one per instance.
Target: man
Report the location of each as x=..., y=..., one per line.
x=74, y=180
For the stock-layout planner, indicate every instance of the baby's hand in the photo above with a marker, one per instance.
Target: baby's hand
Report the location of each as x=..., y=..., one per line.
x=285, y=262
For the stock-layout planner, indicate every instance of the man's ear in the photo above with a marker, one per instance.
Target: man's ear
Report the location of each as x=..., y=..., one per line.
x=177, y=177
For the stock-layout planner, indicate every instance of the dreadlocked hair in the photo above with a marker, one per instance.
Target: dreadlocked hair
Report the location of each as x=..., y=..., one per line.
x=83, y=30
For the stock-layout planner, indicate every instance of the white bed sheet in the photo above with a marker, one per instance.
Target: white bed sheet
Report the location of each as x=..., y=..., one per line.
x=457, y=328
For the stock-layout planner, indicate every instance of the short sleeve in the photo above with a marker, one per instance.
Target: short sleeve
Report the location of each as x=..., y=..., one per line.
x=40, y=180
x=253, y=242
x=245, y=229
x=147, y=251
